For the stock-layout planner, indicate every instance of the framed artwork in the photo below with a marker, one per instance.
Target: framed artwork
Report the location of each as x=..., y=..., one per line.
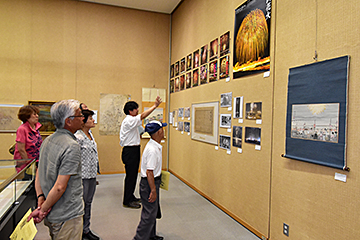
x=196, y=59
x=224, y=67
x=237, y=136
x=225, y=142
x=253, y=135
x=181, y=112
x=187, y=127
x=175, y=118
x=195, y=77
x=224, y=43
x=225, y=120
x=203, y=74
x=172, y=71
x=181, y=126
x=172, y=86
x=9, y=121
x=182, y=65
x=176, y=71
x=188, y=80
x=253, y=110
x=44, y=116
x=205, y=122
x=213, y=49
x=182, y=82
x=225, y=99
x=188, y=62
x=177, y=85
x=252, y=21
x=204, y=54
x=238, y=107
x=187, y=112
x=213, y=71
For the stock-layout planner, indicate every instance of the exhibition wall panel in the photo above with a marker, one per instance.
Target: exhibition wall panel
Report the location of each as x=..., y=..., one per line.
x=57, y=49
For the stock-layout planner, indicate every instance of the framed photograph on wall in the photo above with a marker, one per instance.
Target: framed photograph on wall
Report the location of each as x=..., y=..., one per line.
x=187, y=127
x=195, y=77
x=205, y=122
x=224, y=43
x=224, y=67
x=204, y=54
x=44, y=116
x=182, y=82
x=238, y=107
x=182, y=65
x=188, y=62
x=196, y=59
x=225, y=99
x=188, y=80
x=237, y=136
x=203, y=74
x=9, y=121
x=253, y=135
x=225, y=120
x=253, y=110
x=176, y=70
x=225, y=142
x=172, y=71
x=213, y=49
x=213, y=70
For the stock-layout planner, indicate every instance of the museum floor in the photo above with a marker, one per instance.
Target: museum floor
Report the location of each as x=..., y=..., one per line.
x=186, y=215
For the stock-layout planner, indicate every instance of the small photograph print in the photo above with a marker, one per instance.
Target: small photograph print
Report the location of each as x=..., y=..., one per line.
x=226, y=99
x=187, y=112
x=204, y=54
x=182, y=65
x=182, y=82
x=176, y=68
x=213, y=49
x=196, y=59
x=225, y=142
x=238, y=107
x=253, y=110
x=253, y=135
x=203, y=74
x=177, y=84
x=181, y=126
x=188, y=62
x=237, y=136
x=181, y=112
x=224, y=67
x=172, y=71
x=224, y=43
x=186, y=126
x=225, y=120
x=172, y=86
x=213, y=71
x=188, y=80
x=195, y=78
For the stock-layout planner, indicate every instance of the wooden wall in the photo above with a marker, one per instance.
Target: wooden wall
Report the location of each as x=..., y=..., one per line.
x=59, y=49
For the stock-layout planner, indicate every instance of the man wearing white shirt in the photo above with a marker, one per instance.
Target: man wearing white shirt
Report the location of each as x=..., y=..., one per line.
x=130, y=141
x=150, y=182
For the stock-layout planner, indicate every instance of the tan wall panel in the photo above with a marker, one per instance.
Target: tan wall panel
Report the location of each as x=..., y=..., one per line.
x=304, y=195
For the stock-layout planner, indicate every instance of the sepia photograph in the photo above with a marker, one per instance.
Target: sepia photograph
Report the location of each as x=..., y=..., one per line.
x=213, y=49
x=225, y=142
x=225, y=120
x=195, y=77
x=253, y=135
x=188, y=62
x=204, y=54
x=187, y=127
x=196, y=59
x=224, y=67
x=238, y=107
x=224, y=43
x=203, y=74
x=226, y=99
x=213, y=71
x=237, y=136
x=253, y=110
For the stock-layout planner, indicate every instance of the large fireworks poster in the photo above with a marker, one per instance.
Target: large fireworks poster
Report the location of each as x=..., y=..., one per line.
x=252, y=38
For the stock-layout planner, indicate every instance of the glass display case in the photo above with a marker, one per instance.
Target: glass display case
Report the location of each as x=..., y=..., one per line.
x=17, y=193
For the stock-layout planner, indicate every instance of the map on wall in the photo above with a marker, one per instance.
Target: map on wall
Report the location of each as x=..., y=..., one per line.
x=111, y=113
x=9, y=121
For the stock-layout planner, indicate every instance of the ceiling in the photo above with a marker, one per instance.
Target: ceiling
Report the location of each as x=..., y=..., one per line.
x=161, y=6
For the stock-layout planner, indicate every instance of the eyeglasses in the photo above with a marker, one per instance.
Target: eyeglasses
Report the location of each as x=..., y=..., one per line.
x=77, y=116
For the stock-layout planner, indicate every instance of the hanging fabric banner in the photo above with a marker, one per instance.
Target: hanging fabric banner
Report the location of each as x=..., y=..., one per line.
x=316, y=113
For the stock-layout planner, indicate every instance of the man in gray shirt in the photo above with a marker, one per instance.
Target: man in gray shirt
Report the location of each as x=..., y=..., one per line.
x=58, y=182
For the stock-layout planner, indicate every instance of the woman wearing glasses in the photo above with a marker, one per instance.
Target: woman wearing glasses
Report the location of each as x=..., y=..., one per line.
x=89, y=163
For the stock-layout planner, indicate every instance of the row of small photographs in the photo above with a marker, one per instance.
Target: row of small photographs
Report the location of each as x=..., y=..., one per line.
x=184, y=112
x=252, y=136
x=184, y=126
x=253, y=110
x=193, y=60
x=191, y=79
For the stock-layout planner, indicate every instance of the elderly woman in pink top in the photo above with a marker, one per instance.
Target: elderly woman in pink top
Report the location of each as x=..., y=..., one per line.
x=28, y=138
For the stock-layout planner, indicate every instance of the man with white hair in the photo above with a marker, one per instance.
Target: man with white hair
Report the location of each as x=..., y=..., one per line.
x=151, y=164
x=58, y=182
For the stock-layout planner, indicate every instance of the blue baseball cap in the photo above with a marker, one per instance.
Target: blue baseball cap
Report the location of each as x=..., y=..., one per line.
x=154, y=126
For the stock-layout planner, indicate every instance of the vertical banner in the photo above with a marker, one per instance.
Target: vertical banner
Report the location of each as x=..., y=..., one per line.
x=316, y=113
x=252, y=38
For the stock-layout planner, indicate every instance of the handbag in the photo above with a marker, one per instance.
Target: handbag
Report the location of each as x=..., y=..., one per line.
x=12, y=149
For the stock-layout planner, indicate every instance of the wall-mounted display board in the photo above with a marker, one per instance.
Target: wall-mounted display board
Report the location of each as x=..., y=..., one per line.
x=252, y=38
x=316, y=113
x=205, y=122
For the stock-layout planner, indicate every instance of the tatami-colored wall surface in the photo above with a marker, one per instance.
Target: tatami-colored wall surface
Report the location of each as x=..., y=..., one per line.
x=56, y=49
x=260, y=188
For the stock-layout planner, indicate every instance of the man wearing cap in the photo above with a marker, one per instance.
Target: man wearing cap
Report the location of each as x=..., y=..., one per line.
x=130, y=141
x=150, y=182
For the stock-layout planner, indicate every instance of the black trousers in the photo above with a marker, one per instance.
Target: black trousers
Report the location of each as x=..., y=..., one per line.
x=131, y=158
